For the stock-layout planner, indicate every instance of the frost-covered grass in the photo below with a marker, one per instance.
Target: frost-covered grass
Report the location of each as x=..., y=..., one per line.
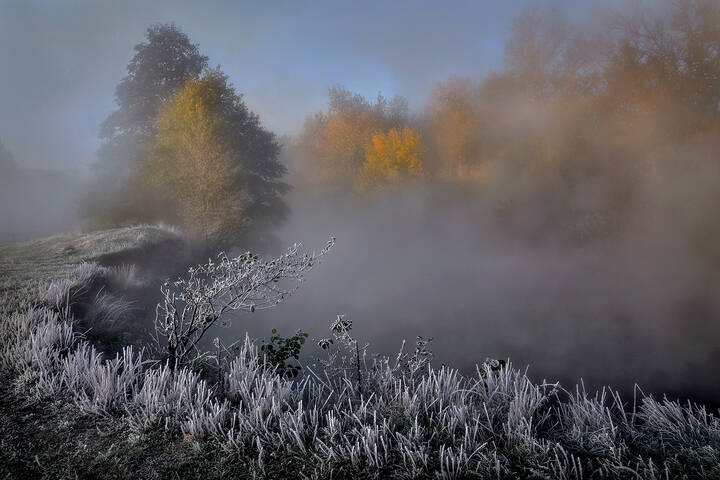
x=352, y=414
x=434, y=422
x=26, y=267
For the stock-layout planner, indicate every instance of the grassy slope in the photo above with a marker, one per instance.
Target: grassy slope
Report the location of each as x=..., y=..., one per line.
x=42, y=440
x=24, y=267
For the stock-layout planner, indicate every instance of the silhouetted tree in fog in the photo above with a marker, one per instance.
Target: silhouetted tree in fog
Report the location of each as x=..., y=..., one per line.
x=7, y=162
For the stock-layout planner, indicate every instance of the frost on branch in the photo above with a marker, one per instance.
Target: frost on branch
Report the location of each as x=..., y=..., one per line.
x=191, y=306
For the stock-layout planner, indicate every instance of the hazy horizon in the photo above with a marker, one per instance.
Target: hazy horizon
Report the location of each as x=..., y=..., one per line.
x=68, y=56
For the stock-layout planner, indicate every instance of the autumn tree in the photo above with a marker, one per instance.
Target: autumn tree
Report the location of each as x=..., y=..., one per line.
x=392, y=156
x=213, y=161
x=160, y=67
x=144, y=169
x=455, y=128
x=333, y=143
x=664, y=67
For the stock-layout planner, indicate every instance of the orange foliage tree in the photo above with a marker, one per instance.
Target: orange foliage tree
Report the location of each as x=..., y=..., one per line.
x=334, y=144
x=455, y=128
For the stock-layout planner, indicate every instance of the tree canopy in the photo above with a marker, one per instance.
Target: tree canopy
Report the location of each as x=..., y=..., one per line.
x=160, y=67
x=391, y=157
x=336, y=144
x=184, y=125
x=211, y=158
x=581, y=118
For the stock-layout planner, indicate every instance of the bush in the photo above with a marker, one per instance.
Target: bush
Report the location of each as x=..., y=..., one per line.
x=278, y=351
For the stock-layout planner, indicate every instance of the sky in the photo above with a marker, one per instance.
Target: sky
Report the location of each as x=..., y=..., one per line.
x=63, y=58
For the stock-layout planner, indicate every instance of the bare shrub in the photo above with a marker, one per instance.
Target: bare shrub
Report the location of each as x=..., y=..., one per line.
x=192, y=305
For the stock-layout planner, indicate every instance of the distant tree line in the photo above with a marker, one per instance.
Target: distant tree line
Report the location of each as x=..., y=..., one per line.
x=579, y=120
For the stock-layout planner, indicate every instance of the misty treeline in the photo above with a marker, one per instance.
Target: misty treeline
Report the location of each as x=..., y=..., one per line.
x=583, y=120
x=586, y=123
x=33, y=189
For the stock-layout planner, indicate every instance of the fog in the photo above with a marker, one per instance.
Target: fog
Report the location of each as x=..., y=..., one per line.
x=583, y=244
x=636, y=309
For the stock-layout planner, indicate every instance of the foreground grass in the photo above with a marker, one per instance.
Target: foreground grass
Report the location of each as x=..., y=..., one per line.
x=70, y=412
x=51, y=439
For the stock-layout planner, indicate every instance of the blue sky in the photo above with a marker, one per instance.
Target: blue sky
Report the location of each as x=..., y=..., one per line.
x=62, y=59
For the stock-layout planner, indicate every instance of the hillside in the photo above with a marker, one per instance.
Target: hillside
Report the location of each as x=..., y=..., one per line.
x=46, y=438
x=24, y=267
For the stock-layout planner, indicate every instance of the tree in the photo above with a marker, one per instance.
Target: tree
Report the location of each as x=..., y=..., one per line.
x=549, y=59
x=159, y=68
x=392, y=156
x=334, y=143
x=212, y=160
x=455, y=128
x=237, y=177
x=664, y=67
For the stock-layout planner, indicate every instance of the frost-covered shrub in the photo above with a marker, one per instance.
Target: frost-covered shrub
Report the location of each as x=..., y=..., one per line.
x=404, y=424
x=191, y=306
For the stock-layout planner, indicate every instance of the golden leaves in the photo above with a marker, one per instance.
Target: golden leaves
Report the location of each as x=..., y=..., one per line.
x=391, y=157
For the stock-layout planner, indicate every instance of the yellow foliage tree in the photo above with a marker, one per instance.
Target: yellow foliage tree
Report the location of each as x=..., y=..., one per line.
x=392, y=156
x=191, y=160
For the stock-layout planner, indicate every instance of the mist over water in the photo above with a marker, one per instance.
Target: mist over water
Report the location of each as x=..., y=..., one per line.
x=638, y=307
